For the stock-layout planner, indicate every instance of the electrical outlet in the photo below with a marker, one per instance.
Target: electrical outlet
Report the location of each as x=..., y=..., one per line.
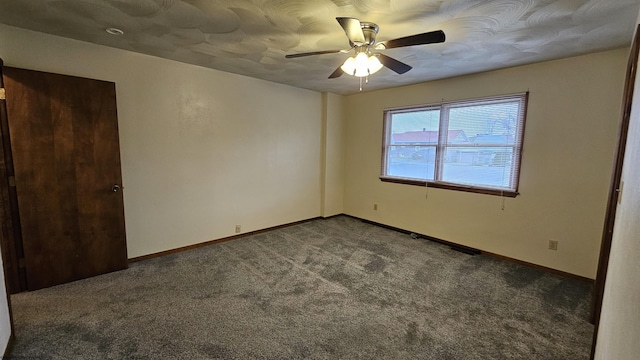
x=238, y=229
x=553, y=244
x=375, y=207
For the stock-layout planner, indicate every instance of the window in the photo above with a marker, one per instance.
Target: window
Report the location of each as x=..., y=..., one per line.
x=472, y=145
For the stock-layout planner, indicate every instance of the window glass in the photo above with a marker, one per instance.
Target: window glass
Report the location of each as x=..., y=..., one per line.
x=412, y=162
x=471, y=144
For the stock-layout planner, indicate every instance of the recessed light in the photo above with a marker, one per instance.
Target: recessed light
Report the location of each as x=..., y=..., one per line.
x=114, y=31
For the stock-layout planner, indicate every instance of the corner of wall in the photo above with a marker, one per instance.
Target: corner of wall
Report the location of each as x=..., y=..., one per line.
x=332, y=157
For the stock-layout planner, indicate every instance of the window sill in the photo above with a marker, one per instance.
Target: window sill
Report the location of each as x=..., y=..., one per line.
x=449, y=186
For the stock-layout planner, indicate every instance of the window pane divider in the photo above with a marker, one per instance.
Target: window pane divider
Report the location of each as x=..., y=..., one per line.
x=443, y=136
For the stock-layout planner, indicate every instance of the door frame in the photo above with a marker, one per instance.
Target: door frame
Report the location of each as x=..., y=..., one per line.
x=11, y=241
x=7, y=234
x=615, y=188
x=12, y=249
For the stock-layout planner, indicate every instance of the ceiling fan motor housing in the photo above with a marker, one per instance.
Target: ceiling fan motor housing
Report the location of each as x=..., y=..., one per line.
x=370, y=30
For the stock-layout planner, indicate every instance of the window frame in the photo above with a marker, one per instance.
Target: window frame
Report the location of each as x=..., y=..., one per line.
x=444, y=108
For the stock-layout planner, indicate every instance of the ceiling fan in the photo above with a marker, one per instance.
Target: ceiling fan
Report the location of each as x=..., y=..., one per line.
x=362, y=39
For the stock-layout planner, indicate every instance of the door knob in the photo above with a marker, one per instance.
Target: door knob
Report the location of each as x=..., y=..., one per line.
x=115, y=188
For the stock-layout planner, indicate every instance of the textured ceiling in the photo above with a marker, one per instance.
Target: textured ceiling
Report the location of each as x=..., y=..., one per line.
x=251, y=37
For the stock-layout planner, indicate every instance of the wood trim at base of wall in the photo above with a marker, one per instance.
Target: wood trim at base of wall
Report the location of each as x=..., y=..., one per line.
x=221, y=240
x=540, y=267
x=474, y=250
x=431, y=238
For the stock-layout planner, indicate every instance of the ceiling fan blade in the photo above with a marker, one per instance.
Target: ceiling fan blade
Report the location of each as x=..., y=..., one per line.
x=336, y=74
x=353, y=29
x=393, y=64
x=418, y=39
x=291, y=56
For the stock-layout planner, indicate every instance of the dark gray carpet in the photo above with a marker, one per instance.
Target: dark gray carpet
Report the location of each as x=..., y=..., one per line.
x=325, y=289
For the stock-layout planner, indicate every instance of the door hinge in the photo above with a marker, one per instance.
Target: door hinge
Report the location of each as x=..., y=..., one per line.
x=12, y=181
x=2, y=94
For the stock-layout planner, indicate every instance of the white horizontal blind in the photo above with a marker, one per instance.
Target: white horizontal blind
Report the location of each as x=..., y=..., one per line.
x=487, y=152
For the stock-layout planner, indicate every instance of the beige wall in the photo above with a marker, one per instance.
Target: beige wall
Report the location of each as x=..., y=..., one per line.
x=619, y=329
x=573, y=114
x=202, y=150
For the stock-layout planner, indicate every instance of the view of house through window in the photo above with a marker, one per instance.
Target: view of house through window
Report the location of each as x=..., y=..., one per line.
x=470, y=145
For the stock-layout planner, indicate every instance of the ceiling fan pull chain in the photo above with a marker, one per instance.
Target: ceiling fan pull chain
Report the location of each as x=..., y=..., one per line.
x=360, y=84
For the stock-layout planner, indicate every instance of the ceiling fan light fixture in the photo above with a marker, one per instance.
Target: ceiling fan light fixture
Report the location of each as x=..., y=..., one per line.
x=349, y=66
x=374, y=64
x=361, y=65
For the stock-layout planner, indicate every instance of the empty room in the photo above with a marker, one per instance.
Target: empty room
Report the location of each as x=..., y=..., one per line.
x=274, y=179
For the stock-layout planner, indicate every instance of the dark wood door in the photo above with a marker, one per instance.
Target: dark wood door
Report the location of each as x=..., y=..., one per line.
x=64, y=141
